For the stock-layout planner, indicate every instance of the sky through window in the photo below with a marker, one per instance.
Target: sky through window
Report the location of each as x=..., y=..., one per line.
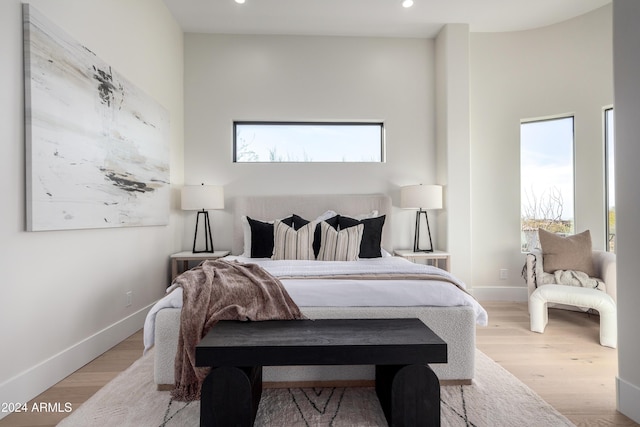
x=308, y=142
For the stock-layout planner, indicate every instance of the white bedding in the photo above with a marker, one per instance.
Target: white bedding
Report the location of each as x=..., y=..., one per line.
x=346, y=292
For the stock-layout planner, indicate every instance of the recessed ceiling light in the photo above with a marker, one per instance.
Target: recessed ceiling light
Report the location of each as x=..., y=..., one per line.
x=240, y=1
x=407, y=3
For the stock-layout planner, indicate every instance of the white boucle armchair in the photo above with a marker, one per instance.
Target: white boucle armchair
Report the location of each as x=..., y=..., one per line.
x=603, y=262
x=542, y=296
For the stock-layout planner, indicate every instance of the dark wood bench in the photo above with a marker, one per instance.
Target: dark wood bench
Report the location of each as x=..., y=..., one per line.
x=408, y=390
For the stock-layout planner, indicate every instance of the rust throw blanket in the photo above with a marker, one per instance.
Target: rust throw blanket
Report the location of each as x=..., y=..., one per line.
x=222, y=290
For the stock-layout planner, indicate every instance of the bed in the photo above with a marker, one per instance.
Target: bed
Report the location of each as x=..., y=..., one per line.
x=349, y=293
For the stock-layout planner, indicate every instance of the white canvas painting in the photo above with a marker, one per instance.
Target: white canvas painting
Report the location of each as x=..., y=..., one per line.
x=97, y=147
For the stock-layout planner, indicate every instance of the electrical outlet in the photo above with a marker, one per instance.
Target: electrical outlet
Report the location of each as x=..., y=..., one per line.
x=504, y=274
x=129, y=299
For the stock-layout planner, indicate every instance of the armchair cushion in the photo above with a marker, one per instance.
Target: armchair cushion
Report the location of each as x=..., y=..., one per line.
x=567, y=253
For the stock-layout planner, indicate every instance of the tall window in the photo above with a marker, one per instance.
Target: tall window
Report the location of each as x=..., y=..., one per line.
x=609, y=143
x=546, y=181
x=308, y=142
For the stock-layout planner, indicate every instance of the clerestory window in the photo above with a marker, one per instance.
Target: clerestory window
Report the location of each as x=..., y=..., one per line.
x=271, y=142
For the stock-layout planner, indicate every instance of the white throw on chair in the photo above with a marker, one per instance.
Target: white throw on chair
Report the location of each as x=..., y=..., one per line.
x=603, y=301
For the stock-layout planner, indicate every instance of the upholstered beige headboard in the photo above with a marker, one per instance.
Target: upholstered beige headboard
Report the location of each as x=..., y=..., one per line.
x=267, y=208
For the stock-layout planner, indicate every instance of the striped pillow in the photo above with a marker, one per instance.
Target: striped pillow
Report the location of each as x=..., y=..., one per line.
x=289, y=243
x=343, y=245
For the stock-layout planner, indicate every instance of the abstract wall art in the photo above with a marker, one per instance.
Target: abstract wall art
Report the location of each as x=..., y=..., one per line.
x=97, y=147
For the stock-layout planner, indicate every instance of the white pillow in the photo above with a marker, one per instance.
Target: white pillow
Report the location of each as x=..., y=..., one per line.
x=371, y=214
x=291, y=244
x=246, y=233
x=343, y=245
x=326, y=215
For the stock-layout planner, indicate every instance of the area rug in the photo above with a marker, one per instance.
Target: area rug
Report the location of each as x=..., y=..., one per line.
x=496, y=398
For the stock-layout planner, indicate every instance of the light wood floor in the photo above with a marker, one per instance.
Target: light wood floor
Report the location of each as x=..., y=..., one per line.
x=80, y=385
x=565, y=365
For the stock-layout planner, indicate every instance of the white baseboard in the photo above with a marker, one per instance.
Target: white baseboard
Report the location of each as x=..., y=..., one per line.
x=30, y=383
x=500, y=293
x=628, y=396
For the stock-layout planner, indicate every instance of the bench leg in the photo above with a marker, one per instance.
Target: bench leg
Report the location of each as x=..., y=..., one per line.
x=230, y=396
x=409, y=395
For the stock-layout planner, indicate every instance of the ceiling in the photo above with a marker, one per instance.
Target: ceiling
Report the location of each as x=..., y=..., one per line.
x=385, y=18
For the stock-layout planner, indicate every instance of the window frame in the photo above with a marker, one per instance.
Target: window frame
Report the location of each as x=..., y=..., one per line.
x=377, y=123
x=524, y=245
x=608, y=175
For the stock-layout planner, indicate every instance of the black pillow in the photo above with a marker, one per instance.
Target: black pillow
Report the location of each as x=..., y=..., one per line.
x=371, y=235
x=317, y=235
x=298, y=222
x=262, y=237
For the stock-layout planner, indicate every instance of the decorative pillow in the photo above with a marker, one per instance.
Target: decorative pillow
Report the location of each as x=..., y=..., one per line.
x=259, y=242
x=326, y=215
x=566, y=253
x=330, y=216
x=298, y=222
x=372, y=214
x=317, y=237
x=246, y=235
x=289, y=243
x=370, y=246
x=343, y=245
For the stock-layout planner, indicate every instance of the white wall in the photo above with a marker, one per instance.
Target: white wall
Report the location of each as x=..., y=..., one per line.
x=563, y=68
x=626, y=39
x=293, y=78
x=453, y=148
x=62, y=298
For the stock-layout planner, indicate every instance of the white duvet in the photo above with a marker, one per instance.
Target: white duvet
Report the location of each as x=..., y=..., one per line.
x=318, y=292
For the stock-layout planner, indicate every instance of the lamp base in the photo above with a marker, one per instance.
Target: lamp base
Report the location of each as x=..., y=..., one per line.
x=208, y=241
x=416, y=238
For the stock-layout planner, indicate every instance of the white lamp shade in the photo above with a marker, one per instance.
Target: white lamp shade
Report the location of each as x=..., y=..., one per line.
x=421, y=197
x=199, y=197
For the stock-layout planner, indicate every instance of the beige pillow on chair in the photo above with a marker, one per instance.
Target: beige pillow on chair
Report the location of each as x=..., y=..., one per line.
x=566, y=253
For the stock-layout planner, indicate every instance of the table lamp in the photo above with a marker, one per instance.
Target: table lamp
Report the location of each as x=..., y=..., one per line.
x=202, y=198
x=421, y=197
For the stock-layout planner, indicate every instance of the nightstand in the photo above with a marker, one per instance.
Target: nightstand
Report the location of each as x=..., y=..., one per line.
x=438, y=259
x=185, y=257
